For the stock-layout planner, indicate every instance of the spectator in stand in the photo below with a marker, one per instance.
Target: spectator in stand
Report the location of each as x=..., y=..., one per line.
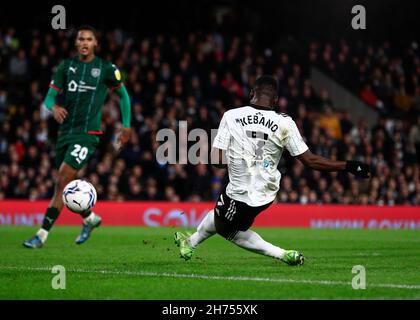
x=370, y=98
x=330, y=122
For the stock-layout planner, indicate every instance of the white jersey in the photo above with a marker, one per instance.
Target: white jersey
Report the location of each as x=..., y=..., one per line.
x=254, y=140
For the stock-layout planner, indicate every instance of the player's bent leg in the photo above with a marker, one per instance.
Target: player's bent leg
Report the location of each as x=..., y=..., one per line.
x=74, y=159
x=252, y=241
x=65, y=174
x=234, y=223
x=187, y=243
x=205, y=230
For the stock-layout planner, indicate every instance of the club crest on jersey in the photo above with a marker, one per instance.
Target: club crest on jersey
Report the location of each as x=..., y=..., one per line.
x=95, y=72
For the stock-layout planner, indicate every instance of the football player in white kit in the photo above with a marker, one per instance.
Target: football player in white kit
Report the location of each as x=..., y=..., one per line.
x=249, y=143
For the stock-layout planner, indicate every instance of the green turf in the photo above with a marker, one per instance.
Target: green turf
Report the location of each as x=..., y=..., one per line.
x=126, y=253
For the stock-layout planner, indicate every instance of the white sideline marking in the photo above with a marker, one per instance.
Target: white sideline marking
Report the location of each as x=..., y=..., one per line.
x=229, y=278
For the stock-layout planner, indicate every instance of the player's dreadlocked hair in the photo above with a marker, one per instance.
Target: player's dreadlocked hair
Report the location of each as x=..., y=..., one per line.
x=266, y=86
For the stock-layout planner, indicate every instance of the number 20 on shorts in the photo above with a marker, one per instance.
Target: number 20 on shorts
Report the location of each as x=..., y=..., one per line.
x=79, y=153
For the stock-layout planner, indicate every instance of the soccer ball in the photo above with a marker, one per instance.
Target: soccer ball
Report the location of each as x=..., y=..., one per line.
x=79, y=196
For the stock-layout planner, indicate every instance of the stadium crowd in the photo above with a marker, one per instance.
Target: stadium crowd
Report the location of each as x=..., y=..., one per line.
x=385, y=76
x=196, y=77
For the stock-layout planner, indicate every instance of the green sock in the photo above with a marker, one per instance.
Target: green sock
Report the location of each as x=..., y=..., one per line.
x=51, y=215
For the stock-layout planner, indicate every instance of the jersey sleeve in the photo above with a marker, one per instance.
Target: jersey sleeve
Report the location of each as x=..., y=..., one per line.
x=59, y=77
x=222, y=139
x=113, y=77
x=294, y=141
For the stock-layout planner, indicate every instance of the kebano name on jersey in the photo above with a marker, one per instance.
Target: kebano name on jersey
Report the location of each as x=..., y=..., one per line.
x=257, y=118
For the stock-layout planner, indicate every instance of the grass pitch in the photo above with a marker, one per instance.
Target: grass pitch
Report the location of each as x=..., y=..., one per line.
x=144, y=263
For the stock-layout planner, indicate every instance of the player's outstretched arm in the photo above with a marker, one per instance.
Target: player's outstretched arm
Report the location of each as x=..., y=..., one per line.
x=317, y=162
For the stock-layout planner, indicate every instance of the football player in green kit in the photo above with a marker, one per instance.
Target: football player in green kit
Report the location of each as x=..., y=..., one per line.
x=85, y=81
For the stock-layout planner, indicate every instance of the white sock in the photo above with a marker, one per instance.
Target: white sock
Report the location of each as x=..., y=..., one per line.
x=204, y=231
x=43, y=234
x=89, y=218
x=252, y=241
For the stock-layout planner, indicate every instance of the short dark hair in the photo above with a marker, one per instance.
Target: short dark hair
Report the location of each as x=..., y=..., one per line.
x=266, y=85
x=87, y=27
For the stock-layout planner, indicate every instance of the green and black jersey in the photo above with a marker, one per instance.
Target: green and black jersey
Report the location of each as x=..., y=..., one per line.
x=85, y=86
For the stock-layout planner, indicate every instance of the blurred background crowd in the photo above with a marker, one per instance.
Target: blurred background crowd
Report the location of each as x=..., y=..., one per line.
x=196, y=76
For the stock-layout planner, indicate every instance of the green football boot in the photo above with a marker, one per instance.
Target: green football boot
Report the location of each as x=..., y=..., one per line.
x=185, y=248
x=293, y=258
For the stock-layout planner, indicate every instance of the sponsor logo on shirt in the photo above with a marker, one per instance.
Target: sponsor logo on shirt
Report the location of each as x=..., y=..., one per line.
x=81, y=87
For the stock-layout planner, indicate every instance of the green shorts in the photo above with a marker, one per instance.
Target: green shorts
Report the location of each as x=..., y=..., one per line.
x=75, y=149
